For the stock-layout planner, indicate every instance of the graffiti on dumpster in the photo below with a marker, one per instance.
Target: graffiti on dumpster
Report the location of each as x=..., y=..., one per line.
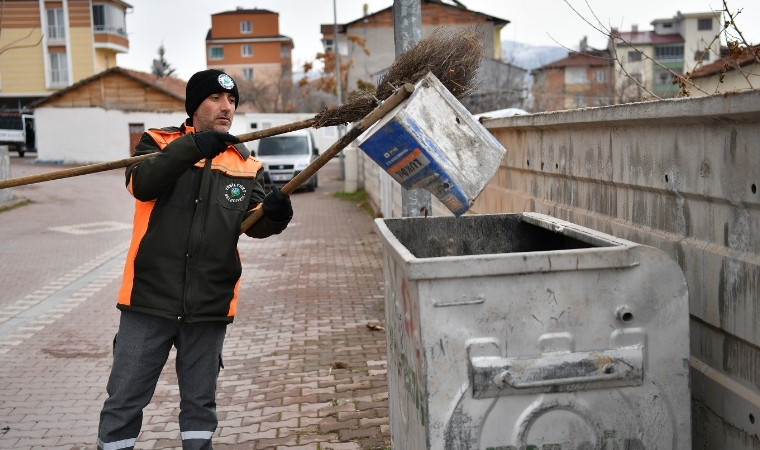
x=404, y=337
x=411, y=327
x=610, y=441
x=413, y=388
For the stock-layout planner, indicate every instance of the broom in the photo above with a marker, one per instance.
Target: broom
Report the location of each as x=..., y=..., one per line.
x=452, y=55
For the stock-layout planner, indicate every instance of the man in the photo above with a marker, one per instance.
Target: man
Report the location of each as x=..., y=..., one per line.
x=183, y=269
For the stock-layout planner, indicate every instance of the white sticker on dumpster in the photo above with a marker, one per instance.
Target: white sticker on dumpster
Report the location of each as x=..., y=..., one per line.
x=409, y=165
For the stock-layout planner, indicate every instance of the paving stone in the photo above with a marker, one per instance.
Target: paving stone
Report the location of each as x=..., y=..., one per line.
x=304, y=299
x=347, y=435
x=338, y=425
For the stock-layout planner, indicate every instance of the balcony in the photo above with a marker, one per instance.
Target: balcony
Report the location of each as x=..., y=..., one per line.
x=56, y=34
x=59, y=77
x=110, y=29
x=670, y=53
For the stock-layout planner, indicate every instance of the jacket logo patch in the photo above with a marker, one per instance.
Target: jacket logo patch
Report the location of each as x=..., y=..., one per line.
x=234, y=192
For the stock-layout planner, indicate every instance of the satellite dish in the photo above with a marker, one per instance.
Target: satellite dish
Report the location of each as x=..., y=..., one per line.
x=158, y=68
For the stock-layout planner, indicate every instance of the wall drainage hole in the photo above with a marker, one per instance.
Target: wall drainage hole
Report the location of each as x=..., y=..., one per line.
x=528, y=163
x=556, y=166
x=751, y=418
x=542, y=166
x=666, y=178
x=754, y=189
x=627, y=317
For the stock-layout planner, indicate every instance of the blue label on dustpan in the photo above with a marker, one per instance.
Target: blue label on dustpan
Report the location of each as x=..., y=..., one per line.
x=402, y=151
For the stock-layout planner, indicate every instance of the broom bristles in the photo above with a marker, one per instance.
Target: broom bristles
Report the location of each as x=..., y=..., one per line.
x=452, y=55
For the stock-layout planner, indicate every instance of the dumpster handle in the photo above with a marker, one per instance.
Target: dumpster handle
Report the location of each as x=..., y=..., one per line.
x=494, y=376
x=506, y=378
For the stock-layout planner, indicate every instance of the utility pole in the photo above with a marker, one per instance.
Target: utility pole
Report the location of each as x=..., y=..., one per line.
x=407, y=31
x=341, y=157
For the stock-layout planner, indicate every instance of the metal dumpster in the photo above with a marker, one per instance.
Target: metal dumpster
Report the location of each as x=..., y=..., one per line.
x=521, y=331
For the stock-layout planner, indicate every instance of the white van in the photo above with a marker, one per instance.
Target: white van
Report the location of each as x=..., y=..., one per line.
x=17, y=132
x=285, y=156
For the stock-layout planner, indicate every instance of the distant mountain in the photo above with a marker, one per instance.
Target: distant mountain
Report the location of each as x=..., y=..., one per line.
x=530, y=56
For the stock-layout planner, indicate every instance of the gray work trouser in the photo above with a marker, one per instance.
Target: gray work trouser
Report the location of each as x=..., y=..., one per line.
x=141, y=348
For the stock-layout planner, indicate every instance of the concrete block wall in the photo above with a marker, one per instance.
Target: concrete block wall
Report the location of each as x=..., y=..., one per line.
x=680, y=175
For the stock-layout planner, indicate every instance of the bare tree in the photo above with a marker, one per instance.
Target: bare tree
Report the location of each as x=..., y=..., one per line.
x=326, y=80
x=270, y=94
x=502, y=85
x=309, y=100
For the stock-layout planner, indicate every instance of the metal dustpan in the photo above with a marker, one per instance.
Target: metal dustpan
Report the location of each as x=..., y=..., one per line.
x=431, y=142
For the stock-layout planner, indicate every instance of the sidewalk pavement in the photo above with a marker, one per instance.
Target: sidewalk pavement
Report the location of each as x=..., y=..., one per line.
x=302, y=369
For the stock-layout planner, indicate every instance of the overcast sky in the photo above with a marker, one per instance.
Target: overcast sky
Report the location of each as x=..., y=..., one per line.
x=182, y=25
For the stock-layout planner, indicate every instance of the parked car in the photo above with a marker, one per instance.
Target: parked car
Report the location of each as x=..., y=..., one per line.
x=17, y=132
x=285, y=156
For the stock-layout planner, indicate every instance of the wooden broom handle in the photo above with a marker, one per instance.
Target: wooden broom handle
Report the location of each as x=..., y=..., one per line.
x=376, y=114
x=110, y=165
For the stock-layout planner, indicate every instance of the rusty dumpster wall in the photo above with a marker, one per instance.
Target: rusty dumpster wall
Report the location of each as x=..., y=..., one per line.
x=679, y=175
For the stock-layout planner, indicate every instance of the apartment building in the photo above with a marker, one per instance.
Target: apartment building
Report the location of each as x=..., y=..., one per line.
x=247, y=44
x=375, y=31
x=49, y=45
x=584, y=78
x=648, y=58
x=736, y=73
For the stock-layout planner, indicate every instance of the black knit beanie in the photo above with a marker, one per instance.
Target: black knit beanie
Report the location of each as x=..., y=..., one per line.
x=207, y=82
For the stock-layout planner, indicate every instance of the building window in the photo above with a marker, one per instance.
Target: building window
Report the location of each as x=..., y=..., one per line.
x=329, y=132
x=576, y=75
x=600, y=76
x=704, y=55
x=246, y=27
x=669, y=53
x=704, y=24
x=579, y=101
x=285, y=51
x=248, y=73
x=108, y=18
x=246, y=50
x=216, y=52
x=667, y=25
x=664, y=77
x=634, y=56
x=328, y=44
x=637, y=78
x=59, y=72
x=56, y=28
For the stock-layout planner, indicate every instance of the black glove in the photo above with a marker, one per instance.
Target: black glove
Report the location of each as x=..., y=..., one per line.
x=277, y=206
x=211, y=143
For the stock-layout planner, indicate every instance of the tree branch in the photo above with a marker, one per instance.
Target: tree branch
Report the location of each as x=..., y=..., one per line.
x=11, y=46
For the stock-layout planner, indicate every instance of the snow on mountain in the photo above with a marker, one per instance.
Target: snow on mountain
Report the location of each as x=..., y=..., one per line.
x=530, y=56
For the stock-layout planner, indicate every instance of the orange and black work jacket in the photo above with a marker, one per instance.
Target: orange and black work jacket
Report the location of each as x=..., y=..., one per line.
x=183, y=262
